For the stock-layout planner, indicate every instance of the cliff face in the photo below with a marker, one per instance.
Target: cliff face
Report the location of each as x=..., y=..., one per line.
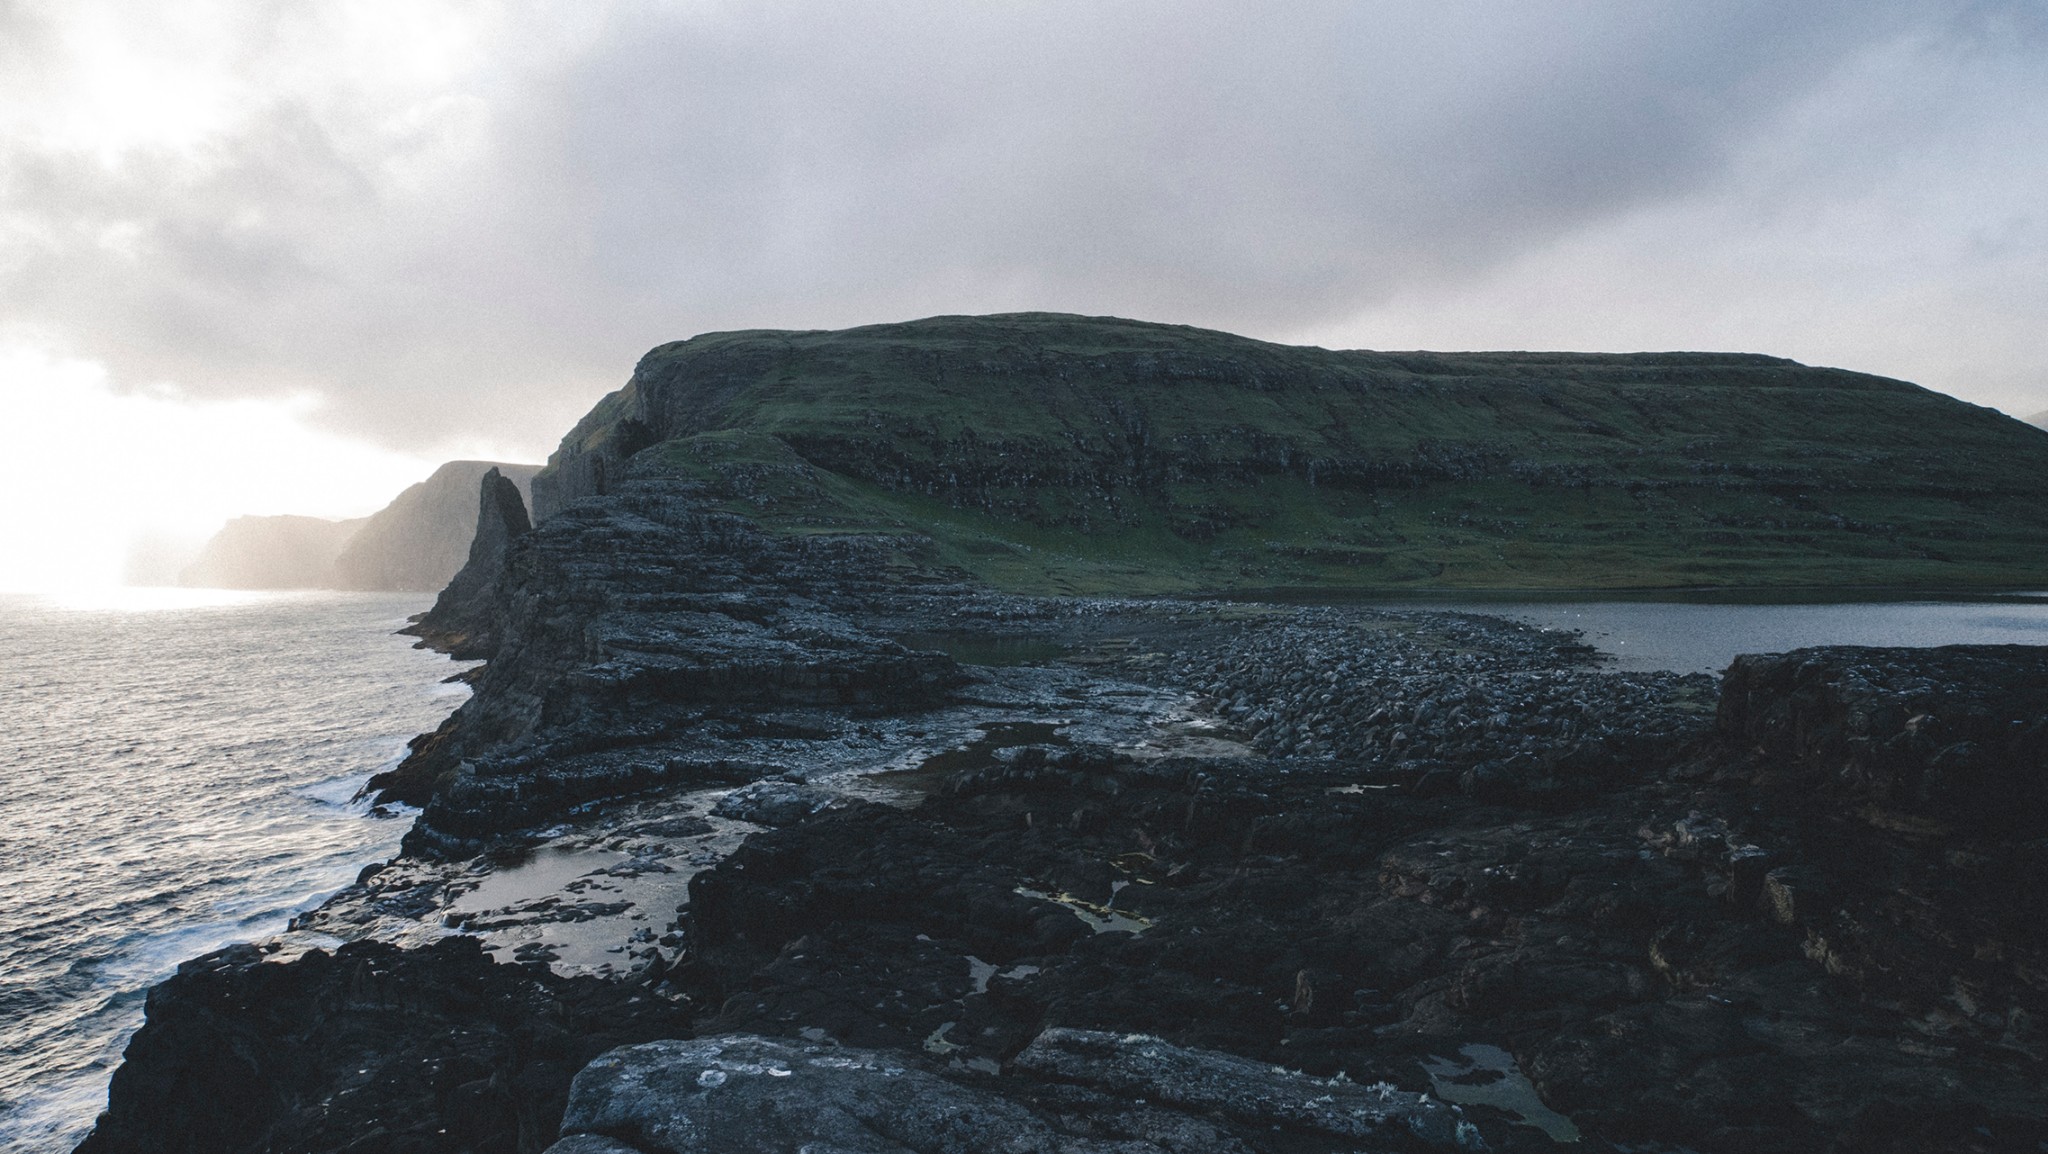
x=639, y=641
x=1070, y=454
x=1957, y=734
x=421, y=538
x=271, y=553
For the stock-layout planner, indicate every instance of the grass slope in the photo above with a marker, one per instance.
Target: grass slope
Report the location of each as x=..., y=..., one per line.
x=1055, y=453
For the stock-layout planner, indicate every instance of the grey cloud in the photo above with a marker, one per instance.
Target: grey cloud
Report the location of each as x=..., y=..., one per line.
x=781, y=164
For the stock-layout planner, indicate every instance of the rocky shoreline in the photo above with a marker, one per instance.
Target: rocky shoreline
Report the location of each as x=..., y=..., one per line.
x=799, y=843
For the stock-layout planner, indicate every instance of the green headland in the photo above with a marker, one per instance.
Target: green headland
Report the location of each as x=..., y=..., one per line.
x=1060, y=454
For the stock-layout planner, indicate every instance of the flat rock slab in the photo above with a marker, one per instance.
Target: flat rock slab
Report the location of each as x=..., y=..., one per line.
x=745, y=1094
x=741, y=1094
x=589, y=1144
x=1244, y=1091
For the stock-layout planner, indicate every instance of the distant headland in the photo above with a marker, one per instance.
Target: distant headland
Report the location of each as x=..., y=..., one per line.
x=417, y=542
x=1047, y=453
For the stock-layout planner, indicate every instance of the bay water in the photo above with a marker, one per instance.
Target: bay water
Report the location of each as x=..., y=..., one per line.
x=1703, y=637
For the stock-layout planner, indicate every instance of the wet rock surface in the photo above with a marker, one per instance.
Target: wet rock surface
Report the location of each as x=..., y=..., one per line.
x=647, y=623
x=744, y=1093
x=368, y=1048
x=1634, y=952
x=1123, y=875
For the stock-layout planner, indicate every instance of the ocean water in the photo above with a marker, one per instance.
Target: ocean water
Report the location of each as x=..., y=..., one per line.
x=176, y=769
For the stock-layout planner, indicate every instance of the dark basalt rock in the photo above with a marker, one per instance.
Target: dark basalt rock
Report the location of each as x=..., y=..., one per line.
x=1502, y=715
x=742, y=1094
x=1678, y=921
x=1696, y=953
x=622, y=635
x=368, y=1049
x=746, y=1095
x=590, y=1144
x=1248, y=1093
x=773, y=802
x=1959, y=732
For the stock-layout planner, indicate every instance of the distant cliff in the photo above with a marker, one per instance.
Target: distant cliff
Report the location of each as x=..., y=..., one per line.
x=417, y=542
x=1051, y=453
x=420, y=540
x=272, y=553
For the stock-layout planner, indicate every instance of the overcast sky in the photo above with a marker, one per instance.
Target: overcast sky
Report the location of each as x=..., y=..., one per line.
x=372, y=235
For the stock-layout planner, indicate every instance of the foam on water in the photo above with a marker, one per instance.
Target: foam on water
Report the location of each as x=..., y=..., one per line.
x=178, y=774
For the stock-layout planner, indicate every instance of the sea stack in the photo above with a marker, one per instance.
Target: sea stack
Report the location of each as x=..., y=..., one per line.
x=460, y=620
x=421, y=539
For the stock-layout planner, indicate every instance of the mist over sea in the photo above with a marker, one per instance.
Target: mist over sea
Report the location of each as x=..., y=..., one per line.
x=176, y=769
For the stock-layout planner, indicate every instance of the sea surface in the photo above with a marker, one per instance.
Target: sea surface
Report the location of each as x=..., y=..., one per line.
x=176, y=774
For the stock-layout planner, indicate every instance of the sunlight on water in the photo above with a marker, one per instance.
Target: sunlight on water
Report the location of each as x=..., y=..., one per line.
x=180, y=775
x=158, y=598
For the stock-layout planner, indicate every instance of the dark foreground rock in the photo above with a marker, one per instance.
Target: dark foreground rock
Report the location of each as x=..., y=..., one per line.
x=1703, y=949
x=1071, y=1092
x=641, y=643
x=1956, y=734
x=370, y=1049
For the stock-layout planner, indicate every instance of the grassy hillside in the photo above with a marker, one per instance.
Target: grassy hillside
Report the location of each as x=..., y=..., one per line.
x=1048, y=452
